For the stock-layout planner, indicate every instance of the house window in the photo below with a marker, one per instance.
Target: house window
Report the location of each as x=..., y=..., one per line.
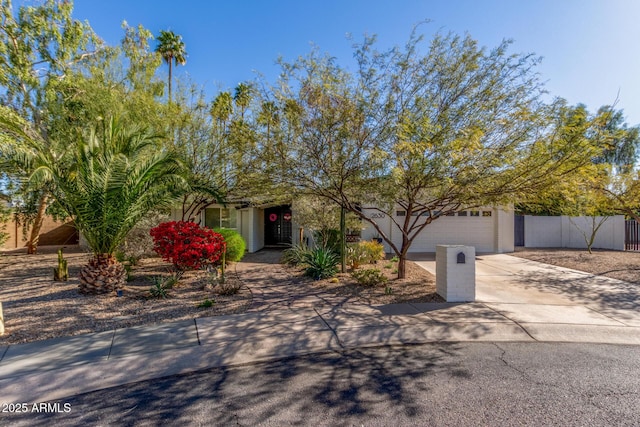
x=475, y=213
x=462, y=213
x=451, y=214
x=401, y=213
x=220, y=217
x=486, y=213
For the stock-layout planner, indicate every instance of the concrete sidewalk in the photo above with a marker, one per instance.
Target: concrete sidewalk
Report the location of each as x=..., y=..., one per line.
x=518, y=300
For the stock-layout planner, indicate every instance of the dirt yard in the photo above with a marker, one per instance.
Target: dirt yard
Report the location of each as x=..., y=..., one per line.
x=622, y=265
x=418, y=286
x=37, y=308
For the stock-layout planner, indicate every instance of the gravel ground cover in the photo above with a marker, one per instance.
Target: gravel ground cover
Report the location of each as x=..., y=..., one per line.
x=38, y=308
x=621, y=265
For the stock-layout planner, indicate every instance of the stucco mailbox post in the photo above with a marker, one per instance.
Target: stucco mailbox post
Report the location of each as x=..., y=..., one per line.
x=456, y=272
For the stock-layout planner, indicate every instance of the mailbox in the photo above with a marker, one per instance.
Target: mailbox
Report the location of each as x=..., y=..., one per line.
x=455, y=276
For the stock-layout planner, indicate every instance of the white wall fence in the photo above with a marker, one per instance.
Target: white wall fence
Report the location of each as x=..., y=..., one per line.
x=565, y=232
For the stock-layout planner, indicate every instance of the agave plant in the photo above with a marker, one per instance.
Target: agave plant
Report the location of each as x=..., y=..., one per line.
x=321, y=263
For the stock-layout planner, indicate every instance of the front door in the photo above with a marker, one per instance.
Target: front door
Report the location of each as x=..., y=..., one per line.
x=277, y=225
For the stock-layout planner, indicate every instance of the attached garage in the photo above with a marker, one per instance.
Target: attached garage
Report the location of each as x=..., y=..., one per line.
x=487, y=229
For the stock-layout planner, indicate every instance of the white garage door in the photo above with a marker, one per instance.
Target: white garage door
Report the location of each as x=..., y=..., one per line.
x=470, y=228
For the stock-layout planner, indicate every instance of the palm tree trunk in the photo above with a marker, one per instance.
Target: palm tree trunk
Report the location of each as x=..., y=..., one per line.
x=101, y=275
x=170, y=63
x=32, y=244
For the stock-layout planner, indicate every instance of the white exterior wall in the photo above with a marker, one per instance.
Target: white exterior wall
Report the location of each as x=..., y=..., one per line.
x=486, y=234
x=504, y=234
x=542, y=231
x=563, y=232
x=176, y=214
x=258, y=228
x=250, y=222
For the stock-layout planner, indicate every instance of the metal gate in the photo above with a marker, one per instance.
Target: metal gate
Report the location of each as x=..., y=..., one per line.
x=631, y=235
x=518, y=232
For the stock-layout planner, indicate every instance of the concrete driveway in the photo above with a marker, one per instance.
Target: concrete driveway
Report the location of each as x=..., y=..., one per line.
x=532, y=292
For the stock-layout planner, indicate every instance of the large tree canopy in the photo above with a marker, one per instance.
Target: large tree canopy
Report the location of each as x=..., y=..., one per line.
x=39, y=46
x=453, y=127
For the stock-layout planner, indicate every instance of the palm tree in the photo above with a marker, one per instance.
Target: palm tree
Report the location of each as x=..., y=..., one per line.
x=242, y=97
x=117, y=174
x=172, y=49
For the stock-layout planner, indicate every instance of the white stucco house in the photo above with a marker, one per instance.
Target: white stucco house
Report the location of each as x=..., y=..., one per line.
x=489, y=230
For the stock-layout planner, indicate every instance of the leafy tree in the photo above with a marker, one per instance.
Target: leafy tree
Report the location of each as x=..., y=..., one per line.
x=607, y=184
x=618, y=182
x=38, y=48
x=431, y=133
x=172, y=49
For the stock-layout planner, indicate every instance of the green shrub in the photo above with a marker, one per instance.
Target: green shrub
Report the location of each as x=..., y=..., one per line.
x=369, y=277
x=364, y=252
x=355, y=255
x=206, y=303
x=373, y=250
x=321, y=263
x=161, y=286
x=236, y=245
x=294, y=255
x=328, y=238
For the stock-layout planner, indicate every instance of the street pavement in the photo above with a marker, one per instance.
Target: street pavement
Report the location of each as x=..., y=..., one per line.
x=517, y=300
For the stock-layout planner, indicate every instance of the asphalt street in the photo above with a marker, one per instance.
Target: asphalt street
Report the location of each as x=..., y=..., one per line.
x=463, y=384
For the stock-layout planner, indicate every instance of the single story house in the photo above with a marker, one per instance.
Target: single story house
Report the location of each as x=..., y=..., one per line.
x=487, y=229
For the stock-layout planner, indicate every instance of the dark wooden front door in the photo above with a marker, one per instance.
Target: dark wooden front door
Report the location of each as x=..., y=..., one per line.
x=277, y=225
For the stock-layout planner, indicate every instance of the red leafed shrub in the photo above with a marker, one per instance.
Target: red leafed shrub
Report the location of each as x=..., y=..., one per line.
x=186, y=245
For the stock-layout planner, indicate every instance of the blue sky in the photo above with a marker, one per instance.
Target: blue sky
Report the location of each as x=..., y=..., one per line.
x=591, y=48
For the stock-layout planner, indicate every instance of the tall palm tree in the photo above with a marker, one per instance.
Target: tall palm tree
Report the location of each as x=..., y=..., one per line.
x=172, y=49
x=116, y=174
x=242, y=97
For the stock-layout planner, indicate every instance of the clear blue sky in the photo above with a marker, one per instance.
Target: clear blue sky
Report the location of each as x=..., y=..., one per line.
x=591, y=48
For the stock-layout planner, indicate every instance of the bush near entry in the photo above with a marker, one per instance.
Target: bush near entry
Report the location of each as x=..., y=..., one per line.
x=236, y=245
x=187, y=245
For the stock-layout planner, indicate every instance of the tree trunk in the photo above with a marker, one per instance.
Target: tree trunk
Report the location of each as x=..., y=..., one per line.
x=402, y=266
x=343, y=241
x=103, y=274
x=170, y=63
x=32, y=244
